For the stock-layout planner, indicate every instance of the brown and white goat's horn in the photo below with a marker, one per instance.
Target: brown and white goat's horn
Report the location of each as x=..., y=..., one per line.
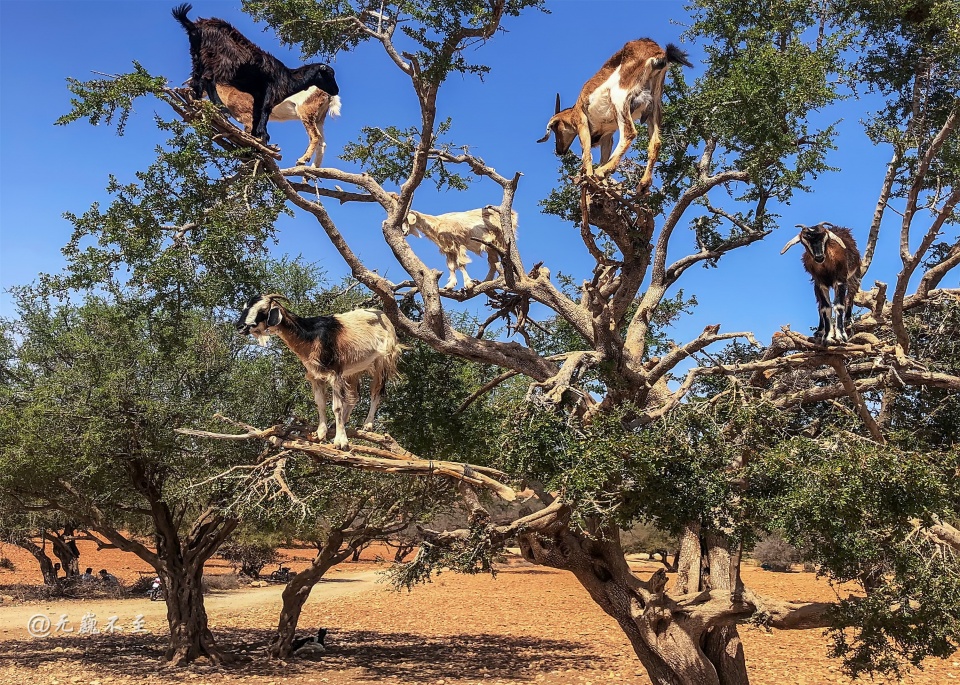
x=834, y=237
x=557, y=111
x=794, y=241
x=278, y=297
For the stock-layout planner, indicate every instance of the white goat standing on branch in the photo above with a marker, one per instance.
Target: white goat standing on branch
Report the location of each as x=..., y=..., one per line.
x=479, y=230
x=334, y=349
x=628, y=88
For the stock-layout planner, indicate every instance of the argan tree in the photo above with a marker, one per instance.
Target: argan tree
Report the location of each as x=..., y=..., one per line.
x=601, y=434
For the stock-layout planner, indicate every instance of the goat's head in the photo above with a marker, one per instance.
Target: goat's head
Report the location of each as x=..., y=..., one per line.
x=814, y=239
x=322, y=76
x=563, y=128
x=410, y=224
x=261, y=313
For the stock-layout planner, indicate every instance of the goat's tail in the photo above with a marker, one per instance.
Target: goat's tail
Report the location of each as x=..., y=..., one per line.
x=180, y=14
x=334, y=108
x=677, y=56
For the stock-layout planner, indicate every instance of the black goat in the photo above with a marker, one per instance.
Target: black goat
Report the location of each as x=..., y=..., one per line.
x=221, y=54
x=316, y=642
x=833, y=261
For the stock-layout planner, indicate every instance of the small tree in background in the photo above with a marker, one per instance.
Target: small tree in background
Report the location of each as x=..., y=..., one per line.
x=249, y=557
x=775, y=553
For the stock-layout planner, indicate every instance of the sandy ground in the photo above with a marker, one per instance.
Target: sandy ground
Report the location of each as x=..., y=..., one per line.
x=529, y=625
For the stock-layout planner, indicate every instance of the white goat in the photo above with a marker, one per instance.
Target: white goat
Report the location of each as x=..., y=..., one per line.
x=334, y=349
x=628, y=88
x=310, y=106
x=480, y=231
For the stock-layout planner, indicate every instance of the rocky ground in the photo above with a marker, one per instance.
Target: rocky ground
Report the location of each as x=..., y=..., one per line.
x=528, y=625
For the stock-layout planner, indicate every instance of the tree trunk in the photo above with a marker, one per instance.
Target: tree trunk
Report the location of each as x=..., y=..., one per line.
x=47, y=570
x=678, y=644
x=190, y=638
x=66, y=550
x=298, y=589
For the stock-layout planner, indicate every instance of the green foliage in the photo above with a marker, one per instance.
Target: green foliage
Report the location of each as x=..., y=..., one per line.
x=474, y=553
x=102, y=100
x=190, y=231
x=387, y=155
x=903, y=47
x=853, y=508
x=433, y=27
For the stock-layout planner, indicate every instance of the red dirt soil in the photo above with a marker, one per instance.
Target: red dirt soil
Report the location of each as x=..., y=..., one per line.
x=528, y=625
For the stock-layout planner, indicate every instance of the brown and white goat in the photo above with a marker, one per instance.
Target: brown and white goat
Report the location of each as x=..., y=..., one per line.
x=833, y=261
x=628, y=88
x=479, y=230
x=309, y=106
x=334, y=349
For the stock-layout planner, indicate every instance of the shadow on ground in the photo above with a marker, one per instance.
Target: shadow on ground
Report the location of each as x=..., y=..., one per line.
x=376, y=654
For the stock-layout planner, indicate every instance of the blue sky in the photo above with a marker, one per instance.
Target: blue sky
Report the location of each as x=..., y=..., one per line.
x=46, y=170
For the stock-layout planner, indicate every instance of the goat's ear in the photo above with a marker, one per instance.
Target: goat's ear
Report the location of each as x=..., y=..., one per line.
x=794, y=241
x=274, y=317
x=546, y=135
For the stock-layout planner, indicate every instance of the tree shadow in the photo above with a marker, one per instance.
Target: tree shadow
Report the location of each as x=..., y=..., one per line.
x=377, y=655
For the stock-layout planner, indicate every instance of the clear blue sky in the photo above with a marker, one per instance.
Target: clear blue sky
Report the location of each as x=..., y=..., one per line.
x=46, y=170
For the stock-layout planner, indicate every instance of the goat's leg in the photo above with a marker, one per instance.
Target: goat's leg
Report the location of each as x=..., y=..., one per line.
x=627, y=134
x=493, y=261
x=837, y=334
x=378, y=380
x=451, y=283
x=261, y=114
x=320, y=397
x=341, y=411
x=653, y=153
x=853, y=287
x=462, y=260
x=606, y=146
x=583, y=132
x=313, y=123
x=823, y=306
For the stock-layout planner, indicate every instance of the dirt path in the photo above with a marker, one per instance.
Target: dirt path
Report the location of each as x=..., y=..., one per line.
x=14, y=619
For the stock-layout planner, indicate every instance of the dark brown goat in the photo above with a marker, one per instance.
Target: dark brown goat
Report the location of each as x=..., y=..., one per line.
x=832, y=259
x=222, y=55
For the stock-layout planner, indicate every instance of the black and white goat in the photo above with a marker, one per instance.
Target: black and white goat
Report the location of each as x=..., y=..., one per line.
x=309, y=106
x=310, y=645
x=479, y=231
x=628, y=88
x=221, y=55
x=334, y=349
x=833, y=261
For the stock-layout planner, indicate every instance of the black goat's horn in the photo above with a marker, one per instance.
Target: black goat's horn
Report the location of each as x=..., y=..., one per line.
x=800, y=226
x=558, y=104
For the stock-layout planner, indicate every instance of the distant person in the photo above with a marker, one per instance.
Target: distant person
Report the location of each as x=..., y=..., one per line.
x=87, y=575
x=108, y=577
